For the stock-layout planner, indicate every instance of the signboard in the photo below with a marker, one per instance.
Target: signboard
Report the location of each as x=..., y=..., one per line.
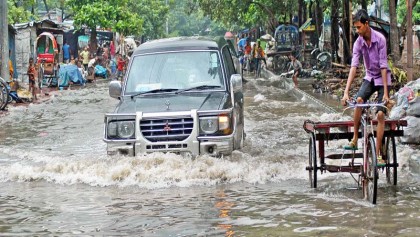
x=307, y=26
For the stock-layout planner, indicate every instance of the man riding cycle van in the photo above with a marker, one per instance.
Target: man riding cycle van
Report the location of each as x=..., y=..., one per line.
x=371, y=45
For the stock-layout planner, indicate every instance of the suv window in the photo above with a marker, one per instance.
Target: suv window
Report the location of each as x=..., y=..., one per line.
x=174, y=70
x=229, y=62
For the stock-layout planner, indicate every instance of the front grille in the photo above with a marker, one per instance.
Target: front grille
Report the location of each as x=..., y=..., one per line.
x=159, y=130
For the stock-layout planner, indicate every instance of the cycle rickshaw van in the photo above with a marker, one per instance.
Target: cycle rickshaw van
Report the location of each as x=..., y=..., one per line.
x=46, y=57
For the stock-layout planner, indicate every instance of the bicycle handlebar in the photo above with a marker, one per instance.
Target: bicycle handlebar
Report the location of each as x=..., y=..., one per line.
x=352, y=104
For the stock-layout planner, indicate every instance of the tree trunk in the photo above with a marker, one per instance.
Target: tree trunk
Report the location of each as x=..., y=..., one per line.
x=319, y=19
x=364, y=4
x=93, y=42
x=310, y=9
x=334, y=28
x=46, y=8
x=300, y=17
x=404, y=23
x=345, y=24
x=273, y=22
x=395, y=46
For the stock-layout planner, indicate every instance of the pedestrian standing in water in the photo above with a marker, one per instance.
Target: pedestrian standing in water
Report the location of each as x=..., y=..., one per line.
x=85, y=57
x=66, y=52
x=32, y=78
x=296, y=65
x=120, y=67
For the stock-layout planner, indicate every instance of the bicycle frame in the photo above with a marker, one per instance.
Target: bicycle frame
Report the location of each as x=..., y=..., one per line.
x=4, y=93
x=369, y=174
x=318, y=158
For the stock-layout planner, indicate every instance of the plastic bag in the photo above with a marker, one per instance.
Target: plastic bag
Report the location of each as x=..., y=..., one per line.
x=412, y=131
x=414, y=107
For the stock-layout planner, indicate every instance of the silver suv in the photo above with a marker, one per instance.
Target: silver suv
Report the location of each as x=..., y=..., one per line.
x=179, y=95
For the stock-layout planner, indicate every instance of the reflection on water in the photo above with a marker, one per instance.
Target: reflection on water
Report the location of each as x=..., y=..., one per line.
x=56, y=179
x=224, y=207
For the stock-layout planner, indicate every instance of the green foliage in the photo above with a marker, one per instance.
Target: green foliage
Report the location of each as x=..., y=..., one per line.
x=154, y=14
x=18, y=13
x=113, y=14
x=400, y=76
x=186, y=19
x=237, y=14
x=402, y=12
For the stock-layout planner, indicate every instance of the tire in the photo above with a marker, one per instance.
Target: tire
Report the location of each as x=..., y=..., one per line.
x=281, y=64
x=323, y=60
x=4, y=94
x=392, y=164
x=313, y=168
x=371, y=174
x=239, y=139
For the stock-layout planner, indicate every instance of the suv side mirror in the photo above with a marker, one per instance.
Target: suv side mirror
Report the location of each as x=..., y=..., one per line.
x=115, y=89
x=236, y=82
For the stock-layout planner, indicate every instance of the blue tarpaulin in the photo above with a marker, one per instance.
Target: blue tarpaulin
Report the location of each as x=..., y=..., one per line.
x=100, y=71
x=69, y=73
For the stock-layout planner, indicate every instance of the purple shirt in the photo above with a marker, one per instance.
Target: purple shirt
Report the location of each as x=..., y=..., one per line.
x=374, y=57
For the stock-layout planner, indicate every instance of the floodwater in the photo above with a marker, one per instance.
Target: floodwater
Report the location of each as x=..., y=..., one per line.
x=56, y=179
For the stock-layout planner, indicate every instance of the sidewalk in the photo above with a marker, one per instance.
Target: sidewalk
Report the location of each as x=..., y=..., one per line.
x=42, y=95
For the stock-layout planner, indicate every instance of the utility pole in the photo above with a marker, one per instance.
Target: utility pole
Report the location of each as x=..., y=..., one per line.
x=351, y=27
x=4, y=40
x=409, y=40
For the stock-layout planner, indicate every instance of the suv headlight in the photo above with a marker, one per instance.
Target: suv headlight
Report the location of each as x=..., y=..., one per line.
x=216, y=125
x=209, y=125
x=121, y=129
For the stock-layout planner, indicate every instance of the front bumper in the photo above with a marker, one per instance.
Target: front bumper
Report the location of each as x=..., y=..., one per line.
x=193, y=144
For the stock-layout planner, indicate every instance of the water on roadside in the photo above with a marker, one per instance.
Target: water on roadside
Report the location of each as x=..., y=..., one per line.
x=56, y=179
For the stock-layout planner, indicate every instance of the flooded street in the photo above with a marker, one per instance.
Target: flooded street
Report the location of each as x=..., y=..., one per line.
x=56, y=179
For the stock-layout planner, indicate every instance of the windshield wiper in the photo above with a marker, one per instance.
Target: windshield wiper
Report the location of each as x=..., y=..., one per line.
x=154, y=91
x=202, y=87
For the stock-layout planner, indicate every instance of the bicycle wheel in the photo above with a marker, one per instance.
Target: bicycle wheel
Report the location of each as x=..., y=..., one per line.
x=392, y=164
x=4, y=94
x=312, y=168
x=281, y=64
x=371, y=174
x=323, y=60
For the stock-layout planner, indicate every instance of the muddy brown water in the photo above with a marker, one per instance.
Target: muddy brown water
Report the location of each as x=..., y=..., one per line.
x=56, y=179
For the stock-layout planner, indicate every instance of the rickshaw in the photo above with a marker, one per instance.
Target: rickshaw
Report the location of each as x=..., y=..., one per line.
x=46, y=59
x=287, y=41
x=362, y=166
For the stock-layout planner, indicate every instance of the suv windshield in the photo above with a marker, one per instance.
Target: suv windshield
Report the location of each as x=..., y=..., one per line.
x=174, y=70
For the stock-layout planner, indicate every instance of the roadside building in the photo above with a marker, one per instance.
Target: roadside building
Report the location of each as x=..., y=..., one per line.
x=25, y=40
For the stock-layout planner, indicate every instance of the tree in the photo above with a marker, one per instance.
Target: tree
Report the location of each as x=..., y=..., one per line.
x=267, y=13
x=395, y=48
x=113, y=14
x=154, y=14
x=18, y=11
x=186, y=19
